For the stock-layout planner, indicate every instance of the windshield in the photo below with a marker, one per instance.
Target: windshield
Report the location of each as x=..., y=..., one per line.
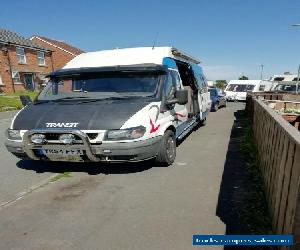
x=240, y=87
x=286, y=87
x=102, y=85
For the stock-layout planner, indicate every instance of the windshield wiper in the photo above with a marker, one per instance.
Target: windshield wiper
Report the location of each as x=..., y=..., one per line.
x=41, y=102
x=86, y=99
x=71, y=98
x=55, y=100
x=108, y=98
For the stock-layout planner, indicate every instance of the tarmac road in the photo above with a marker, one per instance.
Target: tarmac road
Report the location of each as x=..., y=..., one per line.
x=122, y=206
x=14, y=181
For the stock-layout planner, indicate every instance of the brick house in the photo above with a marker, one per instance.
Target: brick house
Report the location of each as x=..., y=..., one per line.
x=61, y=51
x=23, y=63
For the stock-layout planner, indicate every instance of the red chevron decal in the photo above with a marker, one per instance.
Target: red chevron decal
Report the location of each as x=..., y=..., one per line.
x=153, y=128
x=180, y=115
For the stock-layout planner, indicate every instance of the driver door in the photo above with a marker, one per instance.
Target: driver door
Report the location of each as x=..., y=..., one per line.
x=179, y=111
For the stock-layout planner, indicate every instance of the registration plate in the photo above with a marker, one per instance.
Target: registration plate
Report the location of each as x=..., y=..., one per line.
x=63, y=152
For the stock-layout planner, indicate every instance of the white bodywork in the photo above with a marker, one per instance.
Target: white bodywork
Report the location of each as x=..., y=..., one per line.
x=128, y=56
x=283, y=78
x=232, y=93
x=144, y=55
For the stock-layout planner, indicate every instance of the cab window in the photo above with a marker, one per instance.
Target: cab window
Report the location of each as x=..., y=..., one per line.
x=170, y=87
x=176, y=79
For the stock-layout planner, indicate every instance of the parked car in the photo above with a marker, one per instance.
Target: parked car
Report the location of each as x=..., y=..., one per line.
x=113, y=106
x=218, y=98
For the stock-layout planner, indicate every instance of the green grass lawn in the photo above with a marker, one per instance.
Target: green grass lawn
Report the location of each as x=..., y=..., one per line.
x=11, y=101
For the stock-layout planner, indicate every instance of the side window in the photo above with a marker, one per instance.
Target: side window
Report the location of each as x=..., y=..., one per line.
x=200, y=81
x=170, y=87
x=199, y=78
x=176, y=79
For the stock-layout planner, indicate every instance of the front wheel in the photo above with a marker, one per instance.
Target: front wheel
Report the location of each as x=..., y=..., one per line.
x=167, y=151
x=216, y=107
x=202, y=122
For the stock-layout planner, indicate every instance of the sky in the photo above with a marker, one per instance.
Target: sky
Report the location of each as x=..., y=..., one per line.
x=230, y=37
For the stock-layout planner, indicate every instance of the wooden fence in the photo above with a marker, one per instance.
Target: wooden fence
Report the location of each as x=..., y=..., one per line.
x=289, y=110
x=278, y=145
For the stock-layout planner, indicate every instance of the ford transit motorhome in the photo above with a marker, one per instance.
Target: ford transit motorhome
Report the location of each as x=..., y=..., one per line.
x=113, y=106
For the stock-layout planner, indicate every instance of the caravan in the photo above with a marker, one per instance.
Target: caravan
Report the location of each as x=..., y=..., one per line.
x=236, y=90
x=113, y=106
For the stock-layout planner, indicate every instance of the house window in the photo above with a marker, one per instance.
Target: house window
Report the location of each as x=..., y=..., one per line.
x=41, y=58
x=21, y=55
x=16, y=77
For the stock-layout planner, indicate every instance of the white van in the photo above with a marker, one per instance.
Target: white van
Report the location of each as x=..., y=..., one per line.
x=236, y=90
x=113, y=106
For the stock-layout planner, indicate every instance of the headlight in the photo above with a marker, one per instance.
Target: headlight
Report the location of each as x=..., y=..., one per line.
x=13, y=134
x=67, y=138
x=125, y=134
x=38, y=138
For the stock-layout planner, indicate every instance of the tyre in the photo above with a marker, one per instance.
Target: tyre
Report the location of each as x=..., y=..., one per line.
x=216, y=107
x=167, y=150
x=202, y=122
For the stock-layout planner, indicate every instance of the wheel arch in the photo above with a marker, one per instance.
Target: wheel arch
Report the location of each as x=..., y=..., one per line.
x=167, y=127
x=172, y=128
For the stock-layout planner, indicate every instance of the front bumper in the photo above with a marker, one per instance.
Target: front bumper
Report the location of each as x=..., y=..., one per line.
x=105, y=152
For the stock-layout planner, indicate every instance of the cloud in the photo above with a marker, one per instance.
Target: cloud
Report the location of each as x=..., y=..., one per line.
x=221, y=72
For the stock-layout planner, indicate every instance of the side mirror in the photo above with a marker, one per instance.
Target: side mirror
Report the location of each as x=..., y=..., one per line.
x=25, y=100
x=181, y=97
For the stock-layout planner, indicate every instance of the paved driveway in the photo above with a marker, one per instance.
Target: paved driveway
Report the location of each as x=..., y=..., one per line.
x=122, y=206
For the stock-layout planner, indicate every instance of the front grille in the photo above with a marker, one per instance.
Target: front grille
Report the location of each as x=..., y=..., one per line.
x=92, y=136
x=55, y=136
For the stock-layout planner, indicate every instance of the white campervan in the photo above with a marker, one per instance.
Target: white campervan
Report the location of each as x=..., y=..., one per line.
x=236, y=90
x=113, y=106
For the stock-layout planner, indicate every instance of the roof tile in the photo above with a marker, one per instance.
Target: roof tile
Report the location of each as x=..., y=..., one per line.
x=62, y=45
x=7, y=36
